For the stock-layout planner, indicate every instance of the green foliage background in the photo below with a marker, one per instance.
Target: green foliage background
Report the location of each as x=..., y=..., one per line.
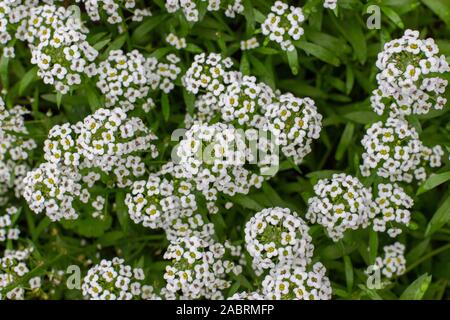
x=334, y=64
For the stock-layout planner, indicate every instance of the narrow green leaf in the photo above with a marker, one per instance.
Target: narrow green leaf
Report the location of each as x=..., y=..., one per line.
x=122, y=211
x=393, y=16
x=165, y=106
x=318, y=52
x=433, y=181
x=348, y=273
x=441, y=8
x=440, y=218
x=148, y=25
x=293, y=61
x=27, y=79
x=417, y=289
x=346, y=138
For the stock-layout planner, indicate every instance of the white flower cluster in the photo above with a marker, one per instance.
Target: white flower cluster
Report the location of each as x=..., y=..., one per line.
x=283, y=25
x=341, y=203
x=249, y=44
x=123, y=79
x=393, y=263
x=330, y=4
x=128, y=79
x=393, y=150
x=107, y=142
x=178, y=42
x=58, y=46
x=191, y=12
x=12, y=12
x=208, y=73
x=167, y=202
x=295, y=123
x=163, y=73
x=16, y=145
x=114, y=280
x=53, y=189
x=291, y=282
x=14, y=266
x=409, y=82
x=242, y=101
x=198, y=270
x=213, y=156
x=7, y=229
x=282, y=119
x=277, y=236
x=109, y=8
x=390, y=209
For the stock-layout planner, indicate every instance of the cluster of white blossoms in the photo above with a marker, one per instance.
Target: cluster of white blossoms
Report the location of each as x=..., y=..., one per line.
x=167, y=202
x=390, y=209
x=330, y=4
x=295, y=123
x=58, y=46
x=96, y=9
x=249, y=44
x=409, y=81
x=106, y=146
x=114, y=280
x=341, y=203
x=13, y=266
x=7, y=229
x=16, y=145
x=283, y=25
x=213, y=156
x=198, y=270
x=243, y=100
x=208, y=72
x=127, y=79
x=107, y=140
x=122, y=79
x=277, y=236
x=393, y=263
x=177, y=42
x=292, y=282
x=269, y=119
x=52, y=189
x=191, y=12
x=162, y=73
x=394, y=151
x=12, y=12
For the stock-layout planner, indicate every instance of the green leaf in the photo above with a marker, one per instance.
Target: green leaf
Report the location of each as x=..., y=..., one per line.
x=417, y=289
x=165, y=106
x=440, y=218
x=293, y=61
x=346, y=138
x=441, y=8
x=88, y=226
x=433, y=181
x=352, y=31
x=247, y=202
x=93, y=98
x=4, y=62
x=393, y=16
x=348, y=273
x=139, y=35
x=373, y=246
x=28, y=79
x=318, y=52
x=362, y=117
x=115, y=45
x=122, y=211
